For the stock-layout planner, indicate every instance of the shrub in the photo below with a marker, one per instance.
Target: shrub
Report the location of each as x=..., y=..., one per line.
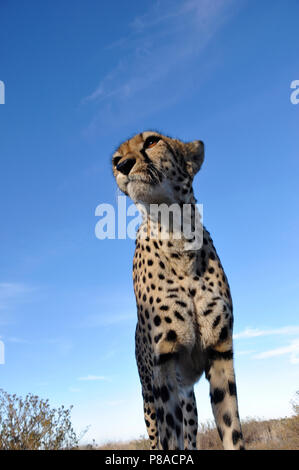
x=31, y=424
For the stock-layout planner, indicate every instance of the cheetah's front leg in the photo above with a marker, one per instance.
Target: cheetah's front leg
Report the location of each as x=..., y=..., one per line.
x=189, y=409
x=168, y=407
x=223, y=393
x=150, y=418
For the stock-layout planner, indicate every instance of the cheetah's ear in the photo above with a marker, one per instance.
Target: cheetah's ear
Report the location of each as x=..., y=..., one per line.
x=194, y=154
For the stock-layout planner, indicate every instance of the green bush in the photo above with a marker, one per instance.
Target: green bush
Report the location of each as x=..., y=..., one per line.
x=31, y=424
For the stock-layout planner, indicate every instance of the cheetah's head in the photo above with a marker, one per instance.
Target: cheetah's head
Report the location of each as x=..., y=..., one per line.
x=153, y=168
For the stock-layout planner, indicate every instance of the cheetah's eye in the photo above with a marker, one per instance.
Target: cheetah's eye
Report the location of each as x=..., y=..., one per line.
x=115, y=160
x=151, y=141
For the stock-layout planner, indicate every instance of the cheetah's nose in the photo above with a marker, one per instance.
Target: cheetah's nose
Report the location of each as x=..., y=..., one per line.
x=126, y=166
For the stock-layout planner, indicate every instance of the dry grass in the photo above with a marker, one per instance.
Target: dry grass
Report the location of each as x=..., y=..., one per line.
x=137, y=444
x=279, y=434
x=30, y=423
x=274, y=434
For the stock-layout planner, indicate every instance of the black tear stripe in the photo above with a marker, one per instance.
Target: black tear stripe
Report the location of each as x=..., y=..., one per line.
x=145, y=156
x=154, y=173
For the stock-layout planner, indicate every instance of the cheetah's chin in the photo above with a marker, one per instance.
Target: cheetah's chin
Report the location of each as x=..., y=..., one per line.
x=145, y=192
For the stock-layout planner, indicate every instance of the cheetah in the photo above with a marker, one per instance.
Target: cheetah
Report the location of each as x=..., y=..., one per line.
x=184, y=305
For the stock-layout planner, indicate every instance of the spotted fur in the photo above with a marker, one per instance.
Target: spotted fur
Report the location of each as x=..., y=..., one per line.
x=185, y=313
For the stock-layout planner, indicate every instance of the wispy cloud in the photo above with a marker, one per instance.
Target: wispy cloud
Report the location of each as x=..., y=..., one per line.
x=292, y=350
x=61, y=345
x=93, y=378
x=256, y=332
x=156, y=55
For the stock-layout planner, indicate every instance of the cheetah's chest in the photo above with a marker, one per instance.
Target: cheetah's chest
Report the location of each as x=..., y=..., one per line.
x=178, y=303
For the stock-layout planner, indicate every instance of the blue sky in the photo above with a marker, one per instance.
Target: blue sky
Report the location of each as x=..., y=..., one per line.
x=80, y=77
